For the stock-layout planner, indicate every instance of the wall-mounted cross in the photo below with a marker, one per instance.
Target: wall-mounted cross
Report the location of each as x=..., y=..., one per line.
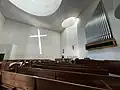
x=39, y=39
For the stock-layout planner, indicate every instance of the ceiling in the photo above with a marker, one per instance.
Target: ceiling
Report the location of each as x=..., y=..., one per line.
x=117, y=12
x=68, y=8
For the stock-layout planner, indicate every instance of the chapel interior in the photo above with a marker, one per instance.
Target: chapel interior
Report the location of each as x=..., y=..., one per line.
x=59, y=44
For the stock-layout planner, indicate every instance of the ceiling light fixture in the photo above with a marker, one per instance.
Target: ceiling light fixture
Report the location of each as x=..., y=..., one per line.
x=38, y=7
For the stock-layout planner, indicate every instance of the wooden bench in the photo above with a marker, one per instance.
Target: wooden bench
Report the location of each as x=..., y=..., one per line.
x=5, y=66
x=37, y=72
x=17, y=80
x=67, y=65
x=27, y=82
x=74, y=77
x=48, y=84
x=111, y=65
x=83, y=70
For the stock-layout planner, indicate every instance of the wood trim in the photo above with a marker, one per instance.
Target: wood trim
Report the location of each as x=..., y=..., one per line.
x=101, y=42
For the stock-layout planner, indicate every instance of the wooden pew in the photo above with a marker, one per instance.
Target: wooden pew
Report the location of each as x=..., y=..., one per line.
x=63, y=67
x=27, y=82
x=95, y=63
x=112, y=66
x=67, y=65
x=37, y=72
x=83, y=70
x=111, y=82
x=17, y=80
x=74, y=77
x=48, y=84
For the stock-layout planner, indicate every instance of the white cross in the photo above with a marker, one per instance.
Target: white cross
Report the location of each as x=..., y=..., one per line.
x=39, y=39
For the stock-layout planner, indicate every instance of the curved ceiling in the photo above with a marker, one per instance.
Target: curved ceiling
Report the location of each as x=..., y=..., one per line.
x=68, y=22
x=68, y=8
x=117, y=12
x=38, y=7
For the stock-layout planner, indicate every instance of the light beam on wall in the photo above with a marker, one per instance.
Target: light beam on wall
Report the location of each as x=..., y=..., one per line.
x=39, y=39
x=38, y=7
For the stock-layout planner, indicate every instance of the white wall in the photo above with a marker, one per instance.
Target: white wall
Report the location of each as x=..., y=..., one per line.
x=108, y=53
x=2, y=21
x=76, y=35
x=68, y=39
x=69, y=36
x=84, y=17
x=26, y=47
x=2, y=47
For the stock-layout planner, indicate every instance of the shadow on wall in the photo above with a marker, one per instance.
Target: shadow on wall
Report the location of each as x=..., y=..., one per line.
x=117, y=12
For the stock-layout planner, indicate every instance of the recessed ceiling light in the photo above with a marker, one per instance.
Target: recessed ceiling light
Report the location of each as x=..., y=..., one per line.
x=38, y=7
